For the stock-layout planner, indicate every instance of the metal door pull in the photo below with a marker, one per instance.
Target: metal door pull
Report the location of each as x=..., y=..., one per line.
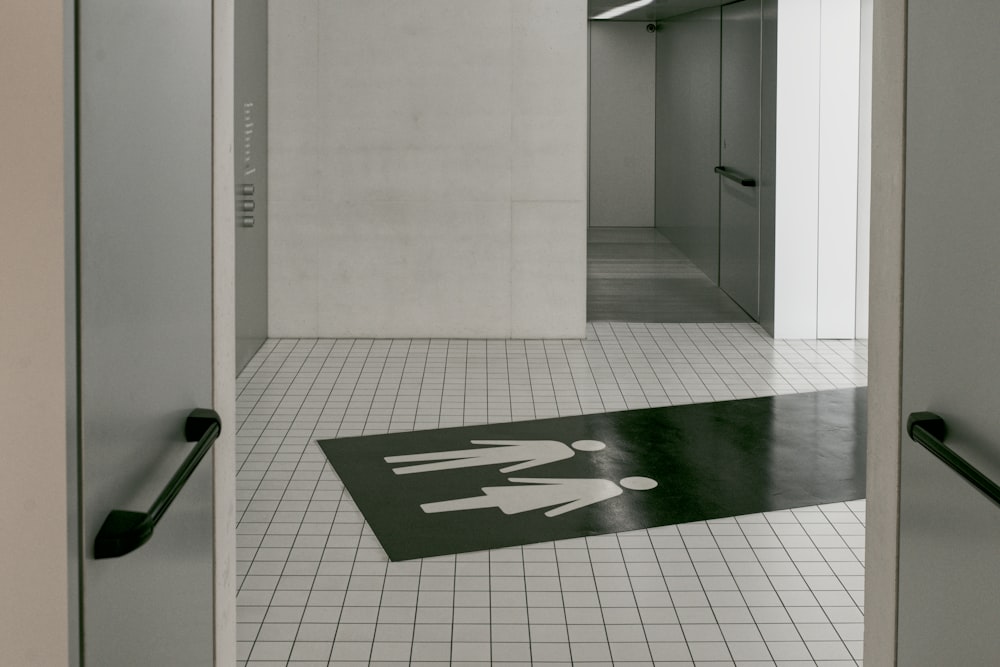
x=123, y=531
x=929, y=430
x=736, y=176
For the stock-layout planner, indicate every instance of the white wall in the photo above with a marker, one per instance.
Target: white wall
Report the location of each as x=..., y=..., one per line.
x=622, y=124
x=34, y=566
x=428, y=168
x=817, y=281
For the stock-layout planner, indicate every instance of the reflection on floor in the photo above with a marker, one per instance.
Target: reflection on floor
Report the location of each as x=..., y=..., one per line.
x=635, y=274
x=315, y=588
x=456, y=490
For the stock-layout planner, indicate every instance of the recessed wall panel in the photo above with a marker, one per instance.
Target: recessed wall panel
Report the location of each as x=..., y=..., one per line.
x=739, y=214
x=622, y=124
x=250, y=152
x=767, y=183
x=687, y=135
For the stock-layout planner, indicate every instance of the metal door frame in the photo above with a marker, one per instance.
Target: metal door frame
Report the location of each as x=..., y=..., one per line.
x=885, y=328
x=224, y=326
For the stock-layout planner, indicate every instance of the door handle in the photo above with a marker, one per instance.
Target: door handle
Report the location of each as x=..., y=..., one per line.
x=736, y=177
x=122, y=531
x=929, y=430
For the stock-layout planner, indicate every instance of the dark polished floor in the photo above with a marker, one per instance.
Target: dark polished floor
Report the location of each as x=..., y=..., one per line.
x=635, y=274
x=446, y=491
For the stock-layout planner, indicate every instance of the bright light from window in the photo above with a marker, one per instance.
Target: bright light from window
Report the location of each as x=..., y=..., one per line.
x=623, y=9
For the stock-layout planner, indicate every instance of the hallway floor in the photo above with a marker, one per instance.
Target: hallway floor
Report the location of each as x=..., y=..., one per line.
x=315, y=588
x=635, y=274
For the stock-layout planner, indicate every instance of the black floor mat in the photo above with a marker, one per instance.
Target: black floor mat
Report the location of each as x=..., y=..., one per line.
x=427, y=493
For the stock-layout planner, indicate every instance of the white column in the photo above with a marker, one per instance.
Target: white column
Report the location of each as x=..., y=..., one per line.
x=797, y=169
x=840, y=47
x=817, y=278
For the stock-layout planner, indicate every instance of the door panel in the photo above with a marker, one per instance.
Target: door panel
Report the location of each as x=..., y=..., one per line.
x=949, y=585
x=739, y=219
x=145, y=202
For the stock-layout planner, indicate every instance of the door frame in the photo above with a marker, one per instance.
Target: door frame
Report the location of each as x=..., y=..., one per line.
x=885, y=334
x=224, y=326
x=885, y=329
x=888, y=122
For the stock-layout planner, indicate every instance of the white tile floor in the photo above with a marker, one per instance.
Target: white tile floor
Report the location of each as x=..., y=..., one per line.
x=315, y=588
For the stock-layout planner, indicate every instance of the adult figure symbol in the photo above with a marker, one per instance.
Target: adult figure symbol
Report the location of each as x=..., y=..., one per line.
x=533, y=494
x=523, y=454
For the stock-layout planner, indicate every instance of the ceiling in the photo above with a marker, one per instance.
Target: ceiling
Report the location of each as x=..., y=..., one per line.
x=660, y=9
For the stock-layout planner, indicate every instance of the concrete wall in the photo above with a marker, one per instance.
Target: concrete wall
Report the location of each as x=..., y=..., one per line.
x=622, y=124
x=35, y=602
x=428, y=168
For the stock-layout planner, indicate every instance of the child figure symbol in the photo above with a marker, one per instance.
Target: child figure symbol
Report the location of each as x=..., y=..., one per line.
x=535, y=494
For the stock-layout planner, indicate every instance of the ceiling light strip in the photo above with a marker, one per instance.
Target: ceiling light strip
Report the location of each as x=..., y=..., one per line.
x=622, y=9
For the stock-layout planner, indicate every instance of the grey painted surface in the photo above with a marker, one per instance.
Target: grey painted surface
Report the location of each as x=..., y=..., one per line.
x=145, y=286
x=250, y=152
x=687, y=136
x=949, y=534
x=768, y=144
x=622, y=124
x=739, y=216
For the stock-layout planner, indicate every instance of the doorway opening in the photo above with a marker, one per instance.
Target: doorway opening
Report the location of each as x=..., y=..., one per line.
x=682, y=163
x=296, y=514
x=691, y=116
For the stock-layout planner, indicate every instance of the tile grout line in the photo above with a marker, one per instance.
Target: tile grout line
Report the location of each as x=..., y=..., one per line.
x=264, y=539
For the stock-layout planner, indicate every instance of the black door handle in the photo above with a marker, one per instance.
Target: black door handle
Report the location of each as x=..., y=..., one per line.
x=929, y=430
x=736, y=176
x=122, y=531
